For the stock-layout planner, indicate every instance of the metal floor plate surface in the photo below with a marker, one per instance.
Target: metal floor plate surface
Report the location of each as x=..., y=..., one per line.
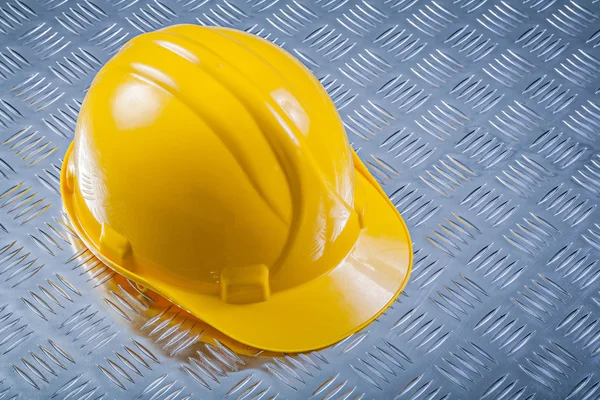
x=481, y=118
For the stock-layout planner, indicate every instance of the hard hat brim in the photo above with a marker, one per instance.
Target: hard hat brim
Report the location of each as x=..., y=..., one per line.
x=316, y=314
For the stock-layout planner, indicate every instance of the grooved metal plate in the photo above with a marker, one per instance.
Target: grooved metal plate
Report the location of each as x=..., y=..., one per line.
x=480, y=118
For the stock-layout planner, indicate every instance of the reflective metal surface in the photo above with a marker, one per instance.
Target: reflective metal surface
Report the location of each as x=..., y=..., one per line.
x=479, y=117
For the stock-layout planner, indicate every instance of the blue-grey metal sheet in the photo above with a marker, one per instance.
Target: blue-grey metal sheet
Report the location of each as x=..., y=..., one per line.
x=481, y=118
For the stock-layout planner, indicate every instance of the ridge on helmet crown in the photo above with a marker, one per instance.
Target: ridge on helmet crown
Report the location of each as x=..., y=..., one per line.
x=211, y=157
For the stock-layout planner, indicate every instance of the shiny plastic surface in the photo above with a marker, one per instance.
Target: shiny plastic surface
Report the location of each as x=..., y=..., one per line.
x=262, y=221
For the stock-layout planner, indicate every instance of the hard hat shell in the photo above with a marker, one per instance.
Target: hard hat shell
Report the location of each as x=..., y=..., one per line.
x=212, y=167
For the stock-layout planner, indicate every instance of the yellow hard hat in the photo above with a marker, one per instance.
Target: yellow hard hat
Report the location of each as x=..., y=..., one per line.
x=210, y=166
